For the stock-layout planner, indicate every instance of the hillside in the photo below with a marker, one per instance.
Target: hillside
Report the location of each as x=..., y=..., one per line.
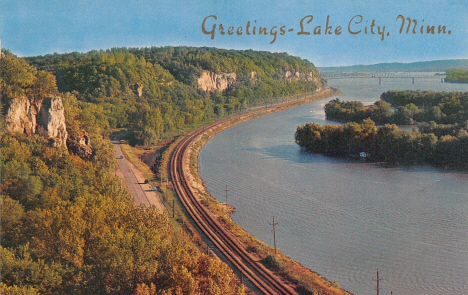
x=68, y=224
x=159, y=90
x=422, y=66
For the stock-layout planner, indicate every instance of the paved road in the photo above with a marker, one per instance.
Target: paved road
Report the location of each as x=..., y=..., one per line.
x=133, y=178
x=129, y=177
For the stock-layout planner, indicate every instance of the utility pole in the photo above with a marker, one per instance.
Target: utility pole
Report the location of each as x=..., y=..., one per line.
x=377, y=281
x=226, y=195
x=173, y=208
x=274, y=232
x=198, y=170
x=165, y=195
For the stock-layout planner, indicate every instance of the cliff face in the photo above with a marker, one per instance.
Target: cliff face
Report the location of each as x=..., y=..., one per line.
x=302, y=76
x=21, y=117
x=210, y=81
x=52, y=117
x=26, y=116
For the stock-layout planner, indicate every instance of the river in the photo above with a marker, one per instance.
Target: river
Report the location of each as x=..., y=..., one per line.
x=345, y=219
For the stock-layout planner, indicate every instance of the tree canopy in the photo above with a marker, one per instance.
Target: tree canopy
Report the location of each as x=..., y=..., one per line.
x=441, y=138
x=404, y=107
x=154, y=91
x=388, y=143
x=457, y=76
x=18, y=78
x=69, y=225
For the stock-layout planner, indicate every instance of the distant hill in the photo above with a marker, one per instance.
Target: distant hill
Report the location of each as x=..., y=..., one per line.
x=422, y=66
x=156, y=91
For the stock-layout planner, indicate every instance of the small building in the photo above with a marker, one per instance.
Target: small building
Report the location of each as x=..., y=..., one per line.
x=364, y=155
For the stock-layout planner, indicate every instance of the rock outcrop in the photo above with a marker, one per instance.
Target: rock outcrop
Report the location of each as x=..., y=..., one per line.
x=21, y=117
x=79, y=143
x=52, y=117
x=137, y=89
x=25, y=115
x=210, y=81
x=303, y=76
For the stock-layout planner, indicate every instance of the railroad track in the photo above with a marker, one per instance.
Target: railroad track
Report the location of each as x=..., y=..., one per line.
x=226, y=243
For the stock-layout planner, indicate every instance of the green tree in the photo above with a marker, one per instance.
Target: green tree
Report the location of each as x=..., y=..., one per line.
x=12, y=213
x=17, y=77
x=457, y=76
x=19, y=269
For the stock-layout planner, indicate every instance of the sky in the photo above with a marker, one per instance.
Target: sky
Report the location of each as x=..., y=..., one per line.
x=357, y=32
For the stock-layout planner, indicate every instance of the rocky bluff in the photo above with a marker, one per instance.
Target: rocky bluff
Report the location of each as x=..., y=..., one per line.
x=210, y=81
x=47, y=117
x=28, y=116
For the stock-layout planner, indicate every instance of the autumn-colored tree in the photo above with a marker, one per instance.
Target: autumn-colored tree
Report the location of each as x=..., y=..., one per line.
x=68, y=224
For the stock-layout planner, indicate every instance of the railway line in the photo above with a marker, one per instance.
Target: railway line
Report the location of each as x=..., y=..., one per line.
x=259, y=275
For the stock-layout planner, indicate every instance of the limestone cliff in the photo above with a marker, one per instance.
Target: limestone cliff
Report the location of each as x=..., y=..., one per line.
x=210, y=81
x=21, y=116
x=26, y=115
x=303, y=76
x=52, y=117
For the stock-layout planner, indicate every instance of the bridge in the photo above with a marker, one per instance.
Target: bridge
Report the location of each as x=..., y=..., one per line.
x=381, y=75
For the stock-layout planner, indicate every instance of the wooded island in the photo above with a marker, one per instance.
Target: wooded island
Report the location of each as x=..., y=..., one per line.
x=440, y=139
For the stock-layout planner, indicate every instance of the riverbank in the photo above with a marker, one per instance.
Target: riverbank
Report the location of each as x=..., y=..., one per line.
x=330, y=210
x=305, y=280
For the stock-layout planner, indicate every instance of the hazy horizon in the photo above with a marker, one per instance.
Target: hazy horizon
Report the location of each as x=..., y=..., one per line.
x=333, y=33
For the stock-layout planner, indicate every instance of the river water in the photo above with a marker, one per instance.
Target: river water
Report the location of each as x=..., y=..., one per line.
x=345, y=219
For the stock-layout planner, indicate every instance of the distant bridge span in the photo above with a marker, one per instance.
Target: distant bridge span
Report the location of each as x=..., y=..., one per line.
x=380, y=75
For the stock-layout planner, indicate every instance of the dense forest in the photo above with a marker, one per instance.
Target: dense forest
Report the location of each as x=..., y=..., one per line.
x=441, y=138
x=388, y=143
x=68, y=226
x=457, y=76
x=404, y=107
x=154, y=91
